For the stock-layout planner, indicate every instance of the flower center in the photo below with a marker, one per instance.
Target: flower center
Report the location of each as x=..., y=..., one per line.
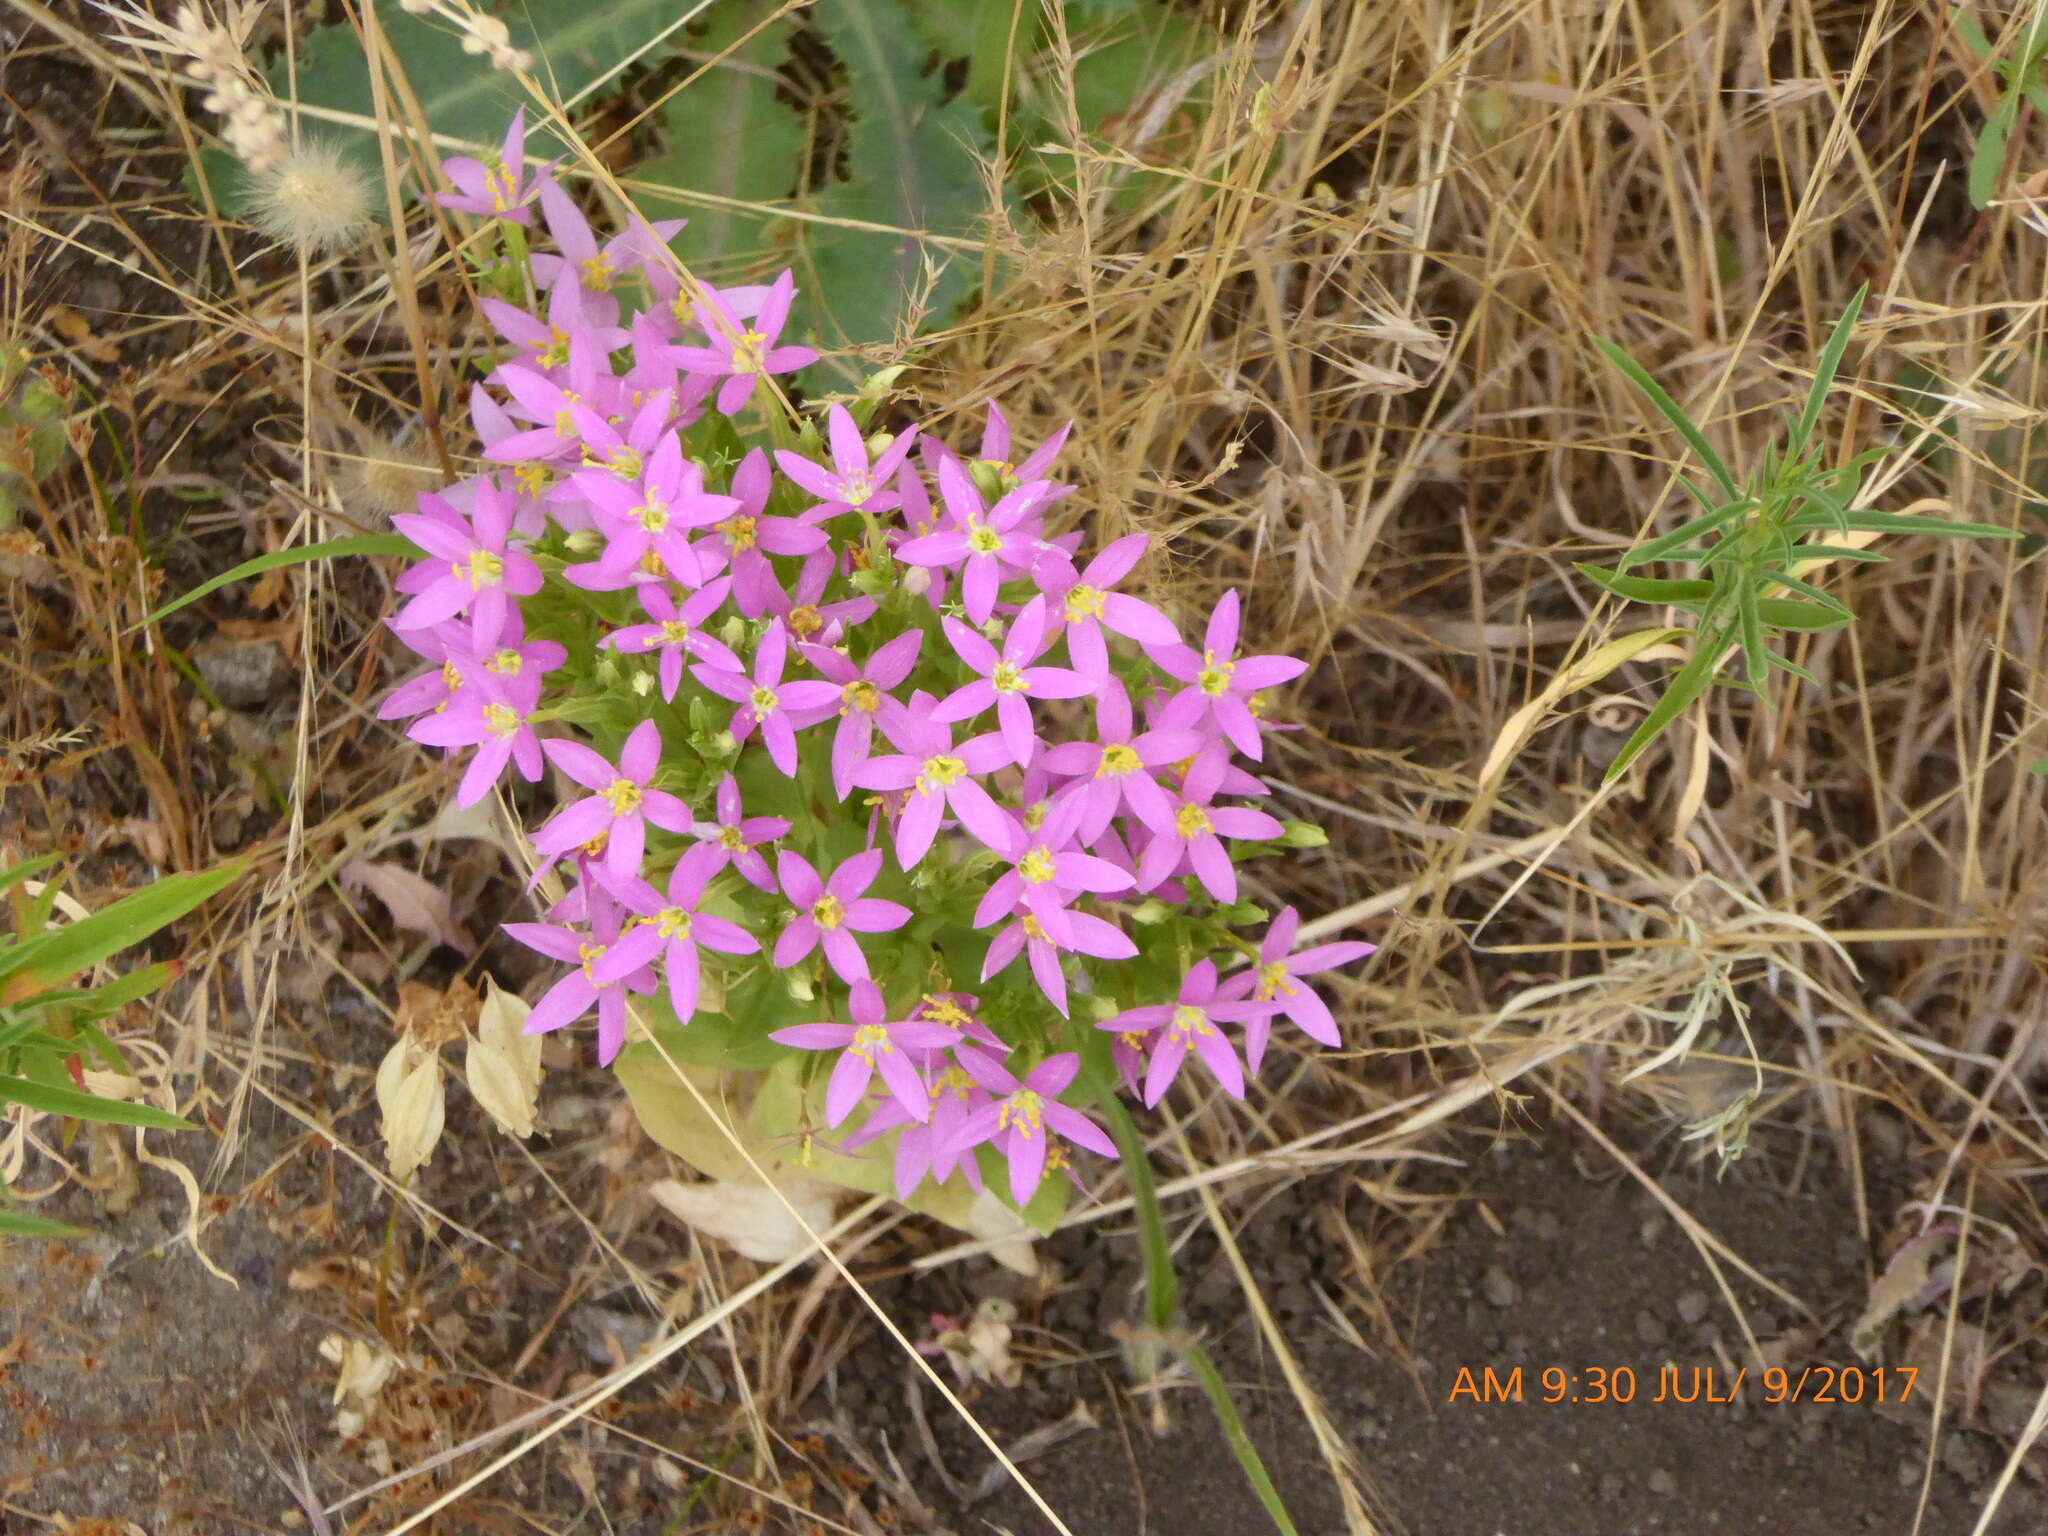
x=626, y=463
x=534, y=476
x=1085, y=603
x=589, y=955
x=503, y=189
x=451, y=676
x=507, y=663
x=485, y=570
x=1275, y=981
x=501, y=718
x=939, y=1009
x=870, y=1041
x=681, y=307
x=1022, y=1113
x=1037, y=866
x=827, y=911
x=983, y=540
x=749, y=352
x=1032, y=930
x=673, y=923
x=805, y=620
x=939, y=772
x=554, y=353
x=732, y=839
x=1188, y=1023
x=597, y=273
x=1008, y=678
x=952, y=1081
x=652, y=515
x=855, y=489
x=862, y=695
x=674, y=632
x=623, y=795
x=1118, y=759
x=763, y=701
x=1215, y=675
x=1192, y=821
x=739, y=532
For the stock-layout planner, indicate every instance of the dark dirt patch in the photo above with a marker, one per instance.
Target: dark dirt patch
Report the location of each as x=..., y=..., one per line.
x=1541, y=1267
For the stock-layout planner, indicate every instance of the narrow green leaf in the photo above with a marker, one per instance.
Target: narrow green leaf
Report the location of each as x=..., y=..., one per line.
x=1841, y=552
x=1941, y=527
x=1785, y=664
x=1824, y=372
x=299, y=554
x=15, y=874
x=1793, y=583
x=1691, y=681
x=64, y=951
x=1162, y=1286
x=1670, y=410
x=1646, y=589
x=1660, y=548
x=2038, y=765
x=1792, y=613
x=1987, y=160
x=80, y=1105
x=1247, y=1454
x=1751, y=625
x=15, y=1224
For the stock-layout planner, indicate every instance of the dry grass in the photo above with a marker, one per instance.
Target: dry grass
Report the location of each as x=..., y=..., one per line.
x=1341, y=356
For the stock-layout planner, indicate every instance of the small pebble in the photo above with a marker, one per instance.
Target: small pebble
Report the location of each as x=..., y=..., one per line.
x=1499, y=1287
x=1692, y=1306
x=1663, y=1482
x=1650, y=1327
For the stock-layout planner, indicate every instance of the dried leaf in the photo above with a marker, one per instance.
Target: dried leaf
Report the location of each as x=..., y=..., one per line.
x=414, y=903
x=410, y=1094
x=1898, y=1288
x=753, y=1219
x=364, y=1368
x=503, y=1063
x=1007, y=1234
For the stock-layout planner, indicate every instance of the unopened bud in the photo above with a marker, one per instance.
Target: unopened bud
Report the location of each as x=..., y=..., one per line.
x=988, y=478
x=503, y=1064
x=585, y=541
x=1302, y=834
x=1151, y=910
x=917, y=580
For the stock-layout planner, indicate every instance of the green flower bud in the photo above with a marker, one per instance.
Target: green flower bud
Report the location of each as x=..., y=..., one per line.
x=988, y=479
x=1303, y=834
x=585, y=541
x=1151, y=910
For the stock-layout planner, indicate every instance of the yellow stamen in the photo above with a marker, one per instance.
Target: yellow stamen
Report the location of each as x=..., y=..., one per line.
x=624, y=796
x=1007, y=678
x=1191, y=821
x=939, y=772
x=1037, y=865
x=1117, y=760
x=1085, y=603
x=827, y=911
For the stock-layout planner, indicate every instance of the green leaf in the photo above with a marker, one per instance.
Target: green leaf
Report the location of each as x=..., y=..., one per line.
x=1750, y=624
x=80, y=1105
x=15, y=874
x=1941, y=527
x=1670, y=410
x=14, y=1224
x=1647, y=589
x=1793, y=583
x=1247, y=1454
x=298, y=554
x=2038, y=765
x=913, y=163
x=1784, y=664
x=1661, y=547
x=1824, y=373
x=66, y=950
x=1692, y=680
x=1791, y=613
x=727, y=135
x=1987, y=159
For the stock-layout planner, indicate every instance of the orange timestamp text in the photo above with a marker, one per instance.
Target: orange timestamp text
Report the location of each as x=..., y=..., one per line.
x=1687, y=1384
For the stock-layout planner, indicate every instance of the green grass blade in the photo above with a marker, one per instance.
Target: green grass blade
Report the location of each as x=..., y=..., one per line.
x=1241, y=1446
x=1792, y=613
x=1785, y=579
x=17, y=873
x=1987, y=160
x=66, y=950
x=298, y=554
x=1671, y=412
x=79, y=1105
x=1162, y=1286
x=1941, y=527
x=14, y=1224
x=1751, y=625
x=1691, y=681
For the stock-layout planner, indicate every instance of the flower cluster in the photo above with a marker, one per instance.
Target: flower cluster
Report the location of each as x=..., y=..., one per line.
x=878, y=766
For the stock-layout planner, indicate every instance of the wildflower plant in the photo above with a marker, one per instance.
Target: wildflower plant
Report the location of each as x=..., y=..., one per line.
x=874, y=783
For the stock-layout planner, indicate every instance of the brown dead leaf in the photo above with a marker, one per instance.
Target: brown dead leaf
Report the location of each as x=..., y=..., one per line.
x=414, y=902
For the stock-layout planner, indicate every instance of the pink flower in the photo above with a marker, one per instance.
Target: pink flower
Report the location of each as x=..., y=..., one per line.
x=1046, y=872
x=650, y=517
x=924, y=1146
x=765, y=700
x=482, y=573
x=868, y=1046
x=674, y=929
x=732, y=838
x=830, y=912
x=1220, y=684
x=1087, y=607
x=675, y=631
x=852, y=484
x=1021, y=1117
x=1193, y=832
x=862, y=690
x=938, y=775
x=1185, y=1025
x=806, y=618
x=499, y=729
x=577, y=992
x=742, y=353
x=749, y=536
x=996, y=451
x=639, y=247
x=621, y=806
x=989, y=546
x=1008, y=678
x=499, y=189
x=1277, y=979
x=1118, y=768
